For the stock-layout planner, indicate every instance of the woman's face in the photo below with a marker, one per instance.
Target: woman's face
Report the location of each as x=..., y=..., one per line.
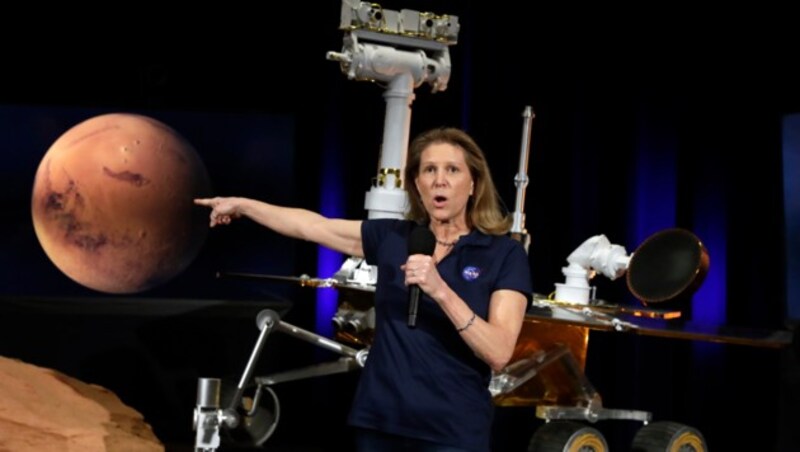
x=444, y=182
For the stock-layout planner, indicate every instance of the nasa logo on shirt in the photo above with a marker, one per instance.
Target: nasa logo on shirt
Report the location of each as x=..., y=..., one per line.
x=470, y=273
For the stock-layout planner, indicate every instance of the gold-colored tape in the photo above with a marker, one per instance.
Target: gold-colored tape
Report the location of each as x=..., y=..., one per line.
x=380, y=181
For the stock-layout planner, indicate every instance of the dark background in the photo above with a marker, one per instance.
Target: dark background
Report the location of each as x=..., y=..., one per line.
x=644, y=120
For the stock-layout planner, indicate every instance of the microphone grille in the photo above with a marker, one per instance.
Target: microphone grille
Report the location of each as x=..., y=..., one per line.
x=421, y=241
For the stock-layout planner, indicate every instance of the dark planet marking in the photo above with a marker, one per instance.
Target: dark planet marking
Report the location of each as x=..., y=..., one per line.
x=89, y=242
x=61, y=208
x=127, y=176
x=54, y=202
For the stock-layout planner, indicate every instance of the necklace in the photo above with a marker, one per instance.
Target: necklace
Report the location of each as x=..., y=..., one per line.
x=447, y=244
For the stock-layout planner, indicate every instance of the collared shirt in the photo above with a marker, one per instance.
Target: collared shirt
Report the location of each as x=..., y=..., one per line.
x=426, y=382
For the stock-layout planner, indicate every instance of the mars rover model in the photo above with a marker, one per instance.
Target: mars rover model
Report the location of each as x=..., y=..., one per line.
x=403, y=50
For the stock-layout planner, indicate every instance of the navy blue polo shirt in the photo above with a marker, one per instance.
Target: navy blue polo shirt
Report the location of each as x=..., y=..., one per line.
x=426, y=382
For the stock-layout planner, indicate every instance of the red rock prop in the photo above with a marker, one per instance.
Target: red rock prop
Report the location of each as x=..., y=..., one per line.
x=43, y=410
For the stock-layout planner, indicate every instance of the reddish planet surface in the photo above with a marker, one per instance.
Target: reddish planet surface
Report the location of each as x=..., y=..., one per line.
x=112, y=203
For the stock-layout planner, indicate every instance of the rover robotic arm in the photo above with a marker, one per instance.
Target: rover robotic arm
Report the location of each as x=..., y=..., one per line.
x=243, y=416
x=596, y=254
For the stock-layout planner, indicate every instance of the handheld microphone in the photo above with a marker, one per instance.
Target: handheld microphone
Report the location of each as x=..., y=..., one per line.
x=421, y=241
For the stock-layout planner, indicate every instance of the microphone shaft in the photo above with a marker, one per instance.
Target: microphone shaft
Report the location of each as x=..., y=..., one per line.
x=413, y=306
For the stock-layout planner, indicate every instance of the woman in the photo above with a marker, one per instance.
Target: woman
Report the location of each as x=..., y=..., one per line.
x=426, y=388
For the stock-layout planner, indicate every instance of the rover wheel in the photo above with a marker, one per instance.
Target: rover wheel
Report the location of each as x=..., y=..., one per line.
x=666, y=436
x=567, y=436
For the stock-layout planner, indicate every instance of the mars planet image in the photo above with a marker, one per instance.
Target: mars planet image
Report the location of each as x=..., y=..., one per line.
x=112, y=203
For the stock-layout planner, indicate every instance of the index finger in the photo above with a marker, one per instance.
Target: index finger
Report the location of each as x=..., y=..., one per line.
x=203, y=201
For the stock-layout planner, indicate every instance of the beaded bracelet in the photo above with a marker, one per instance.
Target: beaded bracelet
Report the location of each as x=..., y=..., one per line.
x=469, y=323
